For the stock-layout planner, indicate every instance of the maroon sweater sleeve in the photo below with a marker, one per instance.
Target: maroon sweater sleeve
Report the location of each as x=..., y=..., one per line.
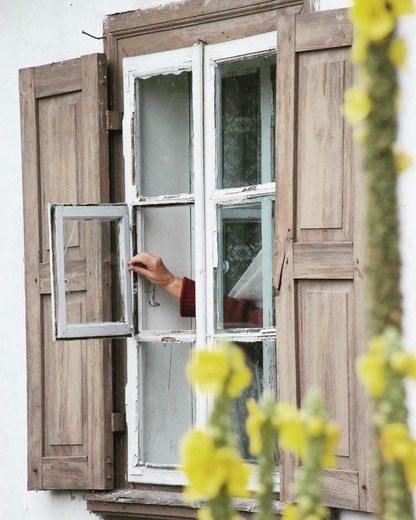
x=187, y=299
x=237, y=313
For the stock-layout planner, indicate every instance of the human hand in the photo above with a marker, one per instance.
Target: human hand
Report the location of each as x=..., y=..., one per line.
x=153, y=269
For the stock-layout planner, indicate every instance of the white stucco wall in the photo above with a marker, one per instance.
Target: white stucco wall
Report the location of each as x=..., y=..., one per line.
x=34, y=33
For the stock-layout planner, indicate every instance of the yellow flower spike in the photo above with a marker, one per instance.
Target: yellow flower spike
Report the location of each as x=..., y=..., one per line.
x=312, y=517
x=357, y=105
x=208, y=371
x=373, y=19
x=291, y=513
x=398, y=52
x=255, y=421
x=395, y=442
x=240, y=374
x=402, y=161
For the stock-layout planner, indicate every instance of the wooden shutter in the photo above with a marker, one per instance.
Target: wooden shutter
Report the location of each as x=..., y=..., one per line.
x=320, y=234
x=65, y=159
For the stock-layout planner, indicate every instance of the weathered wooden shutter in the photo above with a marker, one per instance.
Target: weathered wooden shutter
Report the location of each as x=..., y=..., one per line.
x=65, y=159
x=320, y=244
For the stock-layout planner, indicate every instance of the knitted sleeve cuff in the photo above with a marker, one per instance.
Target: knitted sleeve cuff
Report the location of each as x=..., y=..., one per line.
x=187, y=299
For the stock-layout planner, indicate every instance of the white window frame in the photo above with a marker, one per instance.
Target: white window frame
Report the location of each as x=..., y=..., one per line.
x=205, y=200
x=58, y=213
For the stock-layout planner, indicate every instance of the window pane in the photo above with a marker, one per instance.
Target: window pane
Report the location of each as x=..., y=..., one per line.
x=261, y=359
x=166, y=401
x=167, y=232
x=246, y=114
x=163, y=138
x=244, y=284
x=91, y=265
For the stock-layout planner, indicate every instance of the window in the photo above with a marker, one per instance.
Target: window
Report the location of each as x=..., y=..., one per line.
x=76, y=388
x=203, y=199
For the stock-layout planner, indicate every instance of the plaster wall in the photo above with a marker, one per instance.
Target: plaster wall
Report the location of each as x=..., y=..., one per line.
x=34, y=33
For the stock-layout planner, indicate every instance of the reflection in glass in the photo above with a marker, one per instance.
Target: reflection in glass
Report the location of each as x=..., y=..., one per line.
x=244, y=284
x=167, y=232
x=163, y=139
x=261, y=359
x=92, y=265
x=246, y=100
x=166, y=409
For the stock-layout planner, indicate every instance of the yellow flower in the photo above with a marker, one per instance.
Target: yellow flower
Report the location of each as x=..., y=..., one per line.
x=373, y=18
x=205, y=514
x=402, y=161
x=315, y=426
x=398, y=52
x=312, y=517
x=410, y=469
x=208, y=468
x=371, y=367
x=359, y=49
x=395, y=442
x=255, y=421
x=204, y=474
x=291, y=429
x=290, y=513
x=240, y=378
x=238, y=472
x=401, y=7
x=357, y=105
x=208, y=370
x=361, y=135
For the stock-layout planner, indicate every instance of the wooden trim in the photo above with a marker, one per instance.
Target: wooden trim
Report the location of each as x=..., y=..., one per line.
x=326, y=29
x=151, y=503
x=192, y=12
x=66, y=78
x=308, y=6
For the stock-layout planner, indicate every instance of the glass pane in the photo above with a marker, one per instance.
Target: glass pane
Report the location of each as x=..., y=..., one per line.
x=244, y=281
x=168, y=233
x=91, y=271
x=163, y=137
x=166, y=401
x=246, y=117
x=261, y=359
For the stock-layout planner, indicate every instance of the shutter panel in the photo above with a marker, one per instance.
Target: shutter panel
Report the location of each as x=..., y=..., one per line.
x=65, y=159
x=320, y=234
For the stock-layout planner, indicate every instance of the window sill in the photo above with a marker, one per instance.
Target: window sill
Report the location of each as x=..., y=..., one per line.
x=150, y=503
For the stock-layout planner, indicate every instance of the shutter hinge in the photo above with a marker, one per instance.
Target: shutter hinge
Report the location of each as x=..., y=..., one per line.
x=118, y=422
x=113, y=119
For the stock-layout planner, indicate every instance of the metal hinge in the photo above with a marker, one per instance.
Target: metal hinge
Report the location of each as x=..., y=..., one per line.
x=114, y=119
x=118, y=422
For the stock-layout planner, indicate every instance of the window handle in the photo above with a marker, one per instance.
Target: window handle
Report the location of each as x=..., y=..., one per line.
x=151, y=296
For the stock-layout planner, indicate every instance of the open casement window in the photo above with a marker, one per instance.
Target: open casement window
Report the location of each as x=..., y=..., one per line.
x=65, y=159
x=320, y=245
x=107, y=231
x=198, y=145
